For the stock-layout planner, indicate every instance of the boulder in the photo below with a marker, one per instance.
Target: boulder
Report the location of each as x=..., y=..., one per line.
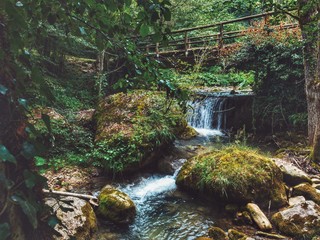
x=306, y=190
x=217, y=233
x=301, y=220
x=133, y=129
x=78, y=220
x=259, y=217
x=116, y=206
x=291, y=174
x=234, y=174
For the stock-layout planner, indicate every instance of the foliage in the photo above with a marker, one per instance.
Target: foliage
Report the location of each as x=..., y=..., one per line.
x=137, y=124
x=277, y=62
x=210, y=77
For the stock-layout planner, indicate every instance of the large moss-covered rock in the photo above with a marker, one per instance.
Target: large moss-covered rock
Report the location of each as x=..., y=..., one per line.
x=133, y=127
x=234, y=174
x=77, y=218
x=116, y=206
x=301, y=220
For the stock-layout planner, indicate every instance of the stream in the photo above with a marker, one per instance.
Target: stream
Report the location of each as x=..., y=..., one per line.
x=164, y=212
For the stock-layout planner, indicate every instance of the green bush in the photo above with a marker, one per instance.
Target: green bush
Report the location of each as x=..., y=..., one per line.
x=277, y=62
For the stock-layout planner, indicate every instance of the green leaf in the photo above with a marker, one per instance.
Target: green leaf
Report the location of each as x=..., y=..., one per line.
x=23, y=102
x=3, y=89
x=6, y=156
x=144, y=30
x=39, y=161
x=53, y=221
x=4, y=231
x=82, y=31
x=6, y=182
x=29, y=178
x=28, y=150
x=27, y=208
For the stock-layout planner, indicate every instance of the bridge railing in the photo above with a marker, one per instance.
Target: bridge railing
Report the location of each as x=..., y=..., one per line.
x=184, y=40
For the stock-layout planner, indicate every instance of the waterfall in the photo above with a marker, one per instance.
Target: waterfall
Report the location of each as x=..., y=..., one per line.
x=207, y=116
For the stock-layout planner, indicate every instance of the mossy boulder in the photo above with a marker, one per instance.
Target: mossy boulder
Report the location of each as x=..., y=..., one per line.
x=306, y=190
x=116, y=206
x=301, y=220
x=217, y=233
x=133, y=127
x=234, y=174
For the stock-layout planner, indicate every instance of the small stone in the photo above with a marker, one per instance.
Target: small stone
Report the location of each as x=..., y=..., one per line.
x=235, y=235
x=259, y=217
x=296, y=200
x=217, y=233
x=243, y=218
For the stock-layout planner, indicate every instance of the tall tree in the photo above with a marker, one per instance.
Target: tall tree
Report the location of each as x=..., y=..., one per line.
x=308, y=12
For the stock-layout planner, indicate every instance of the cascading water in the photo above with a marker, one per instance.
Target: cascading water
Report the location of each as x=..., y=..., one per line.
x=163, y=212
x=207, y=115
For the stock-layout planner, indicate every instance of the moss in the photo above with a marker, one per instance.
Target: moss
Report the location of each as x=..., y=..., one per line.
x=217, y=233
x=306, y=190
x=116, y=205
x=132, y=126
x=235, y=174
x=235, y=235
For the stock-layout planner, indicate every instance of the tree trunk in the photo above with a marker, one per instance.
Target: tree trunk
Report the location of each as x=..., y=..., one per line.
x=309, y=24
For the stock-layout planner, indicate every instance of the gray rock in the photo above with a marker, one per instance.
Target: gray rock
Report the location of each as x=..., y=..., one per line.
x=296, y=200
x=300, y=220
x=291, y=174
x=78, y=220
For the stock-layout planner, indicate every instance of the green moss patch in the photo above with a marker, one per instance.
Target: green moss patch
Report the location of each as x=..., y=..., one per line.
x=132, y=126
x=234, y=174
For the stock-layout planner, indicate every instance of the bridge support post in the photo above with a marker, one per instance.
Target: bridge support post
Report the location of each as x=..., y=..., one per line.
x=186, y=43
x=220, y=43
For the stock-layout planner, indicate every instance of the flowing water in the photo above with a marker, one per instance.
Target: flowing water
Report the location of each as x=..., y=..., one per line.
x=163, y=212
x=207, y=115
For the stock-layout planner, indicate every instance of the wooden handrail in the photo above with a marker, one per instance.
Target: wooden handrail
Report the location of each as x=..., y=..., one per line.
x=223, y=22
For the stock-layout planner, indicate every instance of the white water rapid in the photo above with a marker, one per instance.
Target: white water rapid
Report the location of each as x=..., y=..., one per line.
x=206, y=116
x=163, y=212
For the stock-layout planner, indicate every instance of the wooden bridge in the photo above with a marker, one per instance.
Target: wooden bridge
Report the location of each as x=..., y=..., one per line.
x=204, y=44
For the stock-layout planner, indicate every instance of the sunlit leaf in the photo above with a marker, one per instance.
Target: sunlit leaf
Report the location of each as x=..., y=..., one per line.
x=39, y=161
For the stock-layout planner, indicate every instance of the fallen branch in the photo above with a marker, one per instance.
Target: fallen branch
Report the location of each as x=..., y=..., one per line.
x=92, y=199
